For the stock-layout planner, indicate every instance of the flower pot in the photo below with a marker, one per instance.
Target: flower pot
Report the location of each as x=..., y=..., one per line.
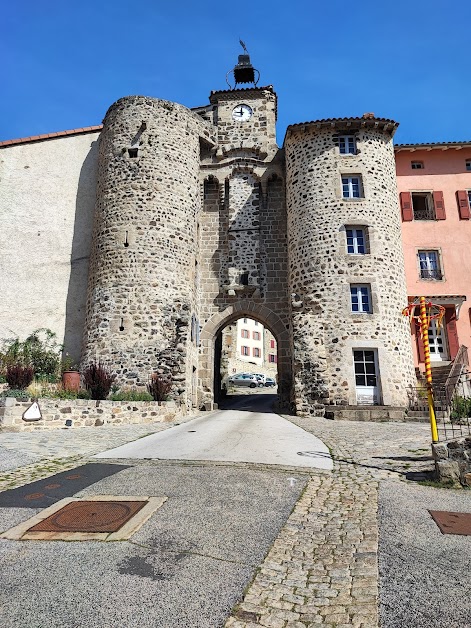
x=71, y=380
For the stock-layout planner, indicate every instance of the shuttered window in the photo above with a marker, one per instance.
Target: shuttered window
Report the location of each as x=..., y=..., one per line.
x=464, y=203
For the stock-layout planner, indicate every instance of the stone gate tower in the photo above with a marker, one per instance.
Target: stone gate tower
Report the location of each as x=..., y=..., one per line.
x=201, y=219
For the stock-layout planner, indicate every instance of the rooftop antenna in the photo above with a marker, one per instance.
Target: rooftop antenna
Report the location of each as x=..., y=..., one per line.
x=243, y=72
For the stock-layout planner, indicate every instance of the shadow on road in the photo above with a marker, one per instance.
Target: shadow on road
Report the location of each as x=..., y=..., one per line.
x=249, y=402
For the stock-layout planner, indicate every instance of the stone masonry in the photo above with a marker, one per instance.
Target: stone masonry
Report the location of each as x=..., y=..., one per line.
x=325, y=330
x=201, y=219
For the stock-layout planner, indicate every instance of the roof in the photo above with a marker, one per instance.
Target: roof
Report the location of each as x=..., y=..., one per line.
x=267, y=88
x=367, y=120
x=432, y=146
x=49, y=136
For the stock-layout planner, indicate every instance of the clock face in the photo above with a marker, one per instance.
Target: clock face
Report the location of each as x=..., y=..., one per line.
x=242, y=113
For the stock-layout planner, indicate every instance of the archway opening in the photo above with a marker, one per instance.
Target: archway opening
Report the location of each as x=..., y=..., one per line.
x=245, y=360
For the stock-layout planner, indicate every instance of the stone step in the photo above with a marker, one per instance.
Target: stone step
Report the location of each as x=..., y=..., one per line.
x=365, y=413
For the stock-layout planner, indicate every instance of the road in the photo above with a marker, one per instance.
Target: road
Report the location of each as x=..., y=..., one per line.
x=246, y=431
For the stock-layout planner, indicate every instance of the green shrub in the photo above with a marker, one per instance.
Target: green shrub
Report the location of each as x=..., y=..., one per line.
x=18, y=394
x=98, y=380
x=159, y=386
x=19, y=376
x=131, y=395
x=40, y=350
x=461, y=408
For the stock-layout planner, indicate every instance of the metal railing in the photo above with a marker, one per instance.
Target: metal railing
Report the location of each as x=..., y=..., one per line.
x=452, y=400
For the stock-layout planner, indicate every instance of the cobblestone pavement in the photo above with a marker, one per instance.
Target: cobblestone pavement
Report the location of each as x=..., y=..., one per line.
x=323, y=567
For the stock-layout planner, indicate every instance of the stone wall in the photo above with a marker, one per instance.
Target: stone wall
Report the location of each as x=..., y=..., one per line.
x=453, y=461
x=142, y=292
x=84, y=413
x=325, y=330
x=243, y=229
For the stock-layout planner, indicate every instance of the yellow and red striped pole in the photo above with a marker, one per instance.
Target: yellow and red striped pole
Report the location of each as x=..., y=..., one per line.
x=428, y=369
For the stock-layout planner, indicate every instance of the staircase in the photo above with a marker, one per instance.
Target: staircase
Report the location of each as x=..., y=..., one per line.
x=418, y=411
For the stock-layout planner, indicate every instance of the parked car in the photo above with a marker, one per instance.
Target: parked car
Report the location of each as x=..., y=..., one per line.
x=243, y=379
x=269, y=382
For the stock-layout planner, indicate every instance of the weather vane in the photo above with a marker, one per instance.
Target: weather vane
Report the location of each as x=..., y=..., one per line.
x=243, y=72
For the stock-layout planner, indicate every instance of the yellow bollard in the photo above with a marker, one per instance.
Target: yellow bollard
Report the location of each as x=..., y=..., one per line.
x=428, y=369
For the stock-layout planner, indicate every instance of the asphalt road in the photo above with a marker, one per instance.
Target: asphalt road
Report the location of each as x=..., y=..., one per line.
x=187, y=566
x=248, y=431
x=425, y=579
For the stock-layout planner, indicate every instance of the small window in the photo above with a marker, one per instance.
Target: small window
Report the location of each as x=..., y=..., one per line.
x=417, y=165
x=351, y=187
x=469, y=198
x=245, y=321
x=429, y=263
x=272, y=358
x=360, y=298
x=365, y=368
x=256, y=323
x=347, y=144
x=245, y=333
x=356, y=241
x=272, y=344
x=256, y=352
x=256, y=335
x=423, y=207
x=468, y=165
x=244, y=351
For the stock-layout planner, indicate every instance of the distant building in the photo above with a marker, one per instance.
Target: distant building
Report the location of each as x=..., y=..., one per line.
x=250, y=347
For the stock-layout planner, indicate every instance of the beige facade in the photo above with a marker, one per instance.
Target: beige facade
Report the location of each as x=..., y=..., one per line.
x=248, y=346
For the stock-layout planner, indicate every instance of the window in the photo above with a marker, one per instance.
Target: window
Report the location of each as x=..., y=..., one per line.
x=351, y=187
x=468, y=165
x=256, y=352
x=245, y=321
x=256, y=322
x=469, y=197
x=347, y=144
x=256, y=335
x=429, y=263
x=360, y=298
x=272, y=344
x=417, y=165
x=245, y=333
x=365, y=368
x=272, y=358
x=244, y=351
x=422, y=205
x=356, y=240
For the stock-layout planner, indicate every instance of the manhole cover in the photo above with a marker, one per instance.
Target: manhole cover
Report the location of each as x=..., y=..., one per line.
x=452, y=522
x=90, y=516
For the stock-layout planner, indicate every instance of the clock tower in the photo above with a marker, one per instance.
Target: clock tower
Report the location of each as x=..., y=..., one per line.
x=245, y=118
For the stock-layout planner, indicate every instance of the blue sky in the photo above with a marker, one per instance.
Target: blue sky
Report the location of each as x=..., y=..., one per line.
x=64, y=63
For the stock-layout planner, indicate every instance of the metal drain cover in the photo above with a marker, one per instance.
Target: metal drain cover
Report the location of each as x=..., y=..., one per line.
x=452, y=522
x=90, y=516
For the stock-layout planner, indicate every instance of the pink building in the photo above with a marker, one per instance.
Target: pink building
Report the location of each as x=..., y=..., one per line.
x=434, y=183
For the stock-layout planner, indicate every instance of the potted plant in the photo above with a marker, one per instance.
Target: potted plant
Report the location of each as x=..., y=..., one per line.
x=70, y=374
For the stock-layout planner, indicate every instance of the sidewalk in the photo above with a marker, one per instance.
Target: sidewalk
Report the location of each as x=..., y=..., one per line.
x=322, y=567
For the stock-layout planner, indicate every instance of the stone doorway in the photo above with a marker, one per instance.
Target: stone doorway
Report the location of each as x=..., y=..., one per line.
x=211, y=351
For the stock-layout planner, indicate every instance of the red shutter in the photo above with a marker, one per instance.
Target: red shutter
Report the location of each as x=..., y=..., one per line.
x=452, y=334
x=463, y=204
x=406, y=206
x=439, y=205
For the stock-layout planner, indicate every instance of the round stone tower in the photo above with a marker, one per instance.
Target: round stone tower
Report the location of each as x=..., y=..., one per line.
x=351, y=345
x=141, y=293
